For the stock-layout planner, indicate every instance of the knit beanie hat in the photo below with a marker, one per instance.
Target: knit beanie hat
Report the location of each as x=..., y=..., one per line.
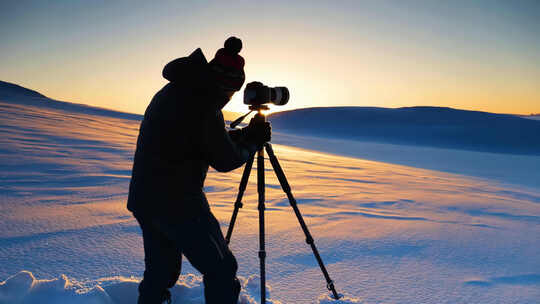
x=227, y=67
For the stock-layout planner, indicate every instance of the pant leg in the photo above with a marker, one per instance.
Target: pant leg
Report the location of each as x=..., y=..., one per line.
x=203, y=244
x=210, y=254
x=162, y=259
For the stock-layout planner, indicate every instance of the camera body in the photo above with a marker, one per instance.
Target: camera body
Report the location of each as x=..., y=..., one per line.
x=256, y=94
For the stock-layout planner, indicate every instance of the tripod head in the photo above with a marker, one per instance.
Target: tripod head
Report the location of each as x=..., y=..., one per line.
x=259, y=108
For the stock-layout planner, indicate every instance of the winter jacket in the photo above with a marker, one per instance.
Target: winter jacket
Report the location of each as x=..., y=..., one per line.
x=182, y=134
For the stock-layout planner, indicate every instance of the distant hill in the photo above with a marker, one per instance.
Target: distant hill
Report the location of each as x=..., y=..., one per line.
x=14, y=93
x=425, y=126
x=8, y=90
x=532, y=116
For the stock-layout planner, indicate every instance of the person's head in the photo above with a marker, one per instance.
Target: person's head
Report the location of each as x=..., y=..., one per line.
x=227, y=67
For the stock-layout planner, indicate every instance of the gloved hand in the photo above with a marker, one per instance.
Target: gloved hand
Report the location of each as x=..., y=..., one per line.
x=258, y=131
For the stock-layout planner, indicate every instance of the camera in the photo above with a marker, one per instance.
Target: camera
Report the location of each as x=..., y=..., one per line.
x=256, y=94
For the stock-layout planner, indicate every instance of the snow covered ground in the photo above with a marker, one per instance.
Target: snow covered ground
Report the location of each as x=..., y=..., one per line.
x=388, y=233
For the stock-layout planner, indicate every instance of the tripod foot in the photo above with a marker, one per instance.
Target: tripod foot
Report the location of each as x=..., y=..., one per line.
x=332, y=289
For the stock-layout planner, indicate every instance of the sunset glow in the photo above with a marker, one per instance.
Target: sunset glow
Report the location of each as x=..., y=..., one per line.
x=481, y=55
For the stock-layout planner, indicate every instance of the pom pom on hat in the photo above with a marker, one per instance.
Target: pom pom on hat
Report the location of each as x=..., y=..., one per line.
x=233, y=45
x=227, y=66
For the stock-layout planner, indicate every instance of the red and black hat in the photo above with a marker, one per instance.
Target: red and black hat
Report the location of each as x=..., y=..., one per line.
x=228, y=67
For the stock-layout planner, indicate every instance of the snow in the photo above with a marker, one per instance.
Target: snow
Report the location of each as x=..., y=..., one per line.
x=387, y=232
x=510, y=169
x=25, y=288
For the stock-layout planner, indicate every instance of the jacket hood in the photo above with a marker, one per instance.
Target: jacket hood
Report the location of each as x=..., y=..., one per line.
x=190, y=69
x=193, y=71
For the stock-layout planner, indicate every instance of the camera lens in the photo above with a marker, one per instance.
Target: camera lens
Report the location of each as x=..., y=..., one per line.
x=280, y=96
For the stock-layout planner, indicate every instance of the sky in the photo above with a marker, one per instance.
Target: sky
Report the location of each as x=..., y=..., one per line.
x=476, y=55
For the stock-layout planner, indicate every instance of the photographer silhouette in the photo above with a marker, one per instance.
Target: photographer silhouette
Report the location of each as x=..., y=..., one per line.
x=182, y=134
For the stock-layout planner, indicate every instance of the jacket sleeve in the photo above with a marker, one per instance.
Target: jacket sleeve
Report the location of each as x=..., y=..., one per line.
x=236, y=135
x=221, y=152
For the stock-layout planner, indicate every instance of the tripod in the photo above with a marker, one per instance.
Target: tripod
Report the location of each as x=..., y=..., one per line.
x=261, y=207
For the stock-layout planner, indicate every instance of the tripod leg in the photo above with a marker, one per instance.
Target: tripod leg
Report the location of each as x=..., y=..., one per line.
x=262, y=252
x=238, y=203
x=292, y=201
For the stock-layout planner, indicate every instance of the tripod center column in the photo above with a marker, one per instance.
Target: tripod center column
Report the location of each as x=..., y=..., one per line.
x=262, y=251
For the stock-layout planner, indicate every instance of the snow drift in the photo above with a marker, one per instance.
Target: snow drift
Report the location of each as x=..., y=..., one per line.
x=24, y=288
